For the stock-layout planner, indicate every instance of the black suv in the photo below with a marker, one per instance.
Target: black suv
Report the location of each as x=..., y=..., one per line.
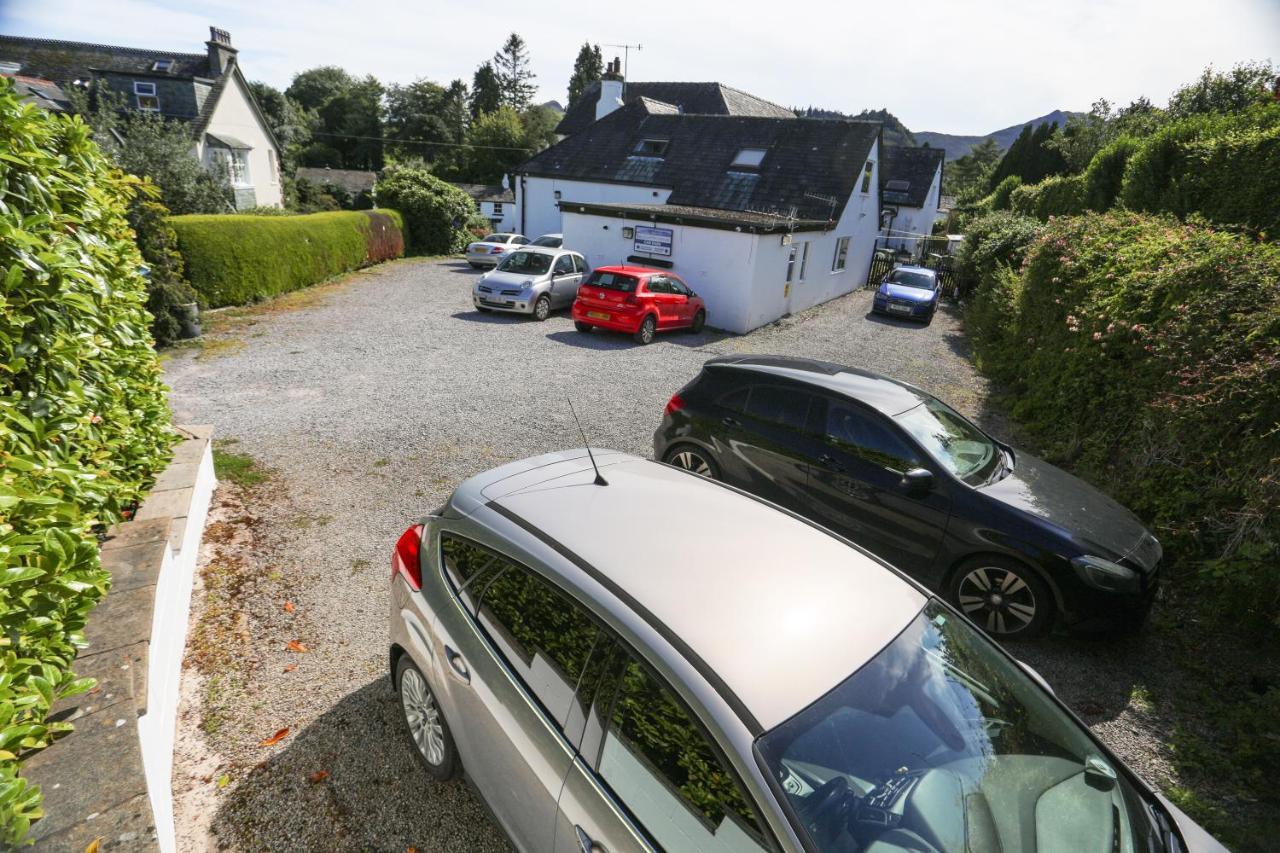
x=1012, y=541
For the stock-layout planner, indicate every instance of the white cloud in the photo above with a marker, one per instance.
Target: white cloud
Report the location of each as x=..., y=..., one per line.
x=966, y=67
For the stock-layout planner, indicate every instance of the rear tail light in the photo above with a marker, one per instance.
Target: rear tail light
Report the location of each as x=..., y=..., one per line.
x=407, y=559
x=674, y=405
x=496, y=250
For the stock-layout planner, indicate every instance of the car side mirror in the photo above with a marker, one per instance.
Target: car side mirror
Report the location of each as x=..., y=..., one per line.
x=918, y=481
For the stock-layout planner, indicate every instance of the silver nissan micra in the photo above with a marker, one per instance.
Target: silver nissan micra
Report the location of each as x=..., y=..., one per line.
x=532, y=280
x=621, y=655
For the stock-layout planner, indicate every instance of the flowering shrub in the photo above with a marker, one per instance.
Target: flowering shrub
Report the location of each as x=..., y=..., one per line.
x=83, y=419
x=992, y=241
x=1145, y=353
x=1059, y=195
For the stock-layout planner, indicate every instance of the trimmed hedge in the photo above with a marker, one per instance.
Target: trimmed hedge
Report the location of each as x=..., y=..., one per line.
x=437, y=213
x=1000, y=196
x=1146, y=354
x=993, y=241
x=236, y=259
x=84, y=424
x=1105, y=173
x=1060, y=195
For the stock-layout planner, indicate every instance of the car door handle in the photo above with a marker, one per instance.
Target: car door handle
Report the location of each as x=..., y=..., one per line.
x=585, y=843
x=457, y=664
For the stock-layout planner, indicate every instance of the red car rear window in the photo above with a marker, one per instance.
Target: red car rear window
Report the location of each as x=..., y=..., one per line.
x=613, y=281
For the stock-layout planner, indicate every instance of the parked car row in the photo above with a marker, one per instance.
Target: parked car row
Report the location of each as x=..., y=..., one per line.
x=540, y=277
x=624, y=655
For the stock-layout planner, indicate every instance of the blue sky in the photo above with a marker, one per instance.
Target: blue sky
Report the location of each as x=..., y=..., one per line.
x=957, y=66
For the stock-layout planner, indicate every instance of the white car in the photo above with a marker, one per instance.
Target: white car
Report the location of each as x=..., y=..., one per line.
x=532, y=280
x=549, y=241
x=489, y=251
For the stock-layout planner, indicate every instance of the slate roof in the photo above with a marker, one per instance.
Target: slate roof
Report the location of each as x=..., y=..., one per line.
x=681, y=214
x=43, y=93
x=804, y=156
x=701, y=98
x=64, y=61
x=486, y=192
x=352, y=180
x=907, y=173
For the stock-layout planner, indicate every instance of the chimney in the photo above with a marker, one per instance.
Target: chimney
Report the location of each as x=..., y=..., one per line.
x=610, y=89
x=221, y=53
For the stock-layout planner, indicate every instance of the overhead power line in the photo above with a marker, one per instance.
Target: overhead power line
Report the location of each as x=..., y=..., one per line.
x=524, y=148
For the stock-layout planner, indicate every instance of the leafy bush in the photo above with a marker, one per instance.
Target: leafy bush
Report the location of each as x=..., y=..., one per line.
x=237, y=259
x=83, y=419
x=436, y=213
x=168, y=293
x=1105, y=173
x=992, y=241
x=1061, y=195
x=999, y=198
x=1146, y=353
x=1224, y=167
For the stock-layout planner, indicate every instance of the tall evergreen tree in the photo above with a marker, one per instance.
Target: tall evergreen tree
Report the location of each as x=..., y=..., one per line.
x=515, y=77
x=1014, y=160
x=587, y=69
x=486, y=92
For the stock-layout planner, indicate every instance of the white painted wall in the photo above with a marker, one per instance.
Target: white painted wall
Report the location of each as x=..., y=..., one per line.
x=507, y=220
x=537, y=197
x=234, y=115
x=915, y=220
x=164, y=664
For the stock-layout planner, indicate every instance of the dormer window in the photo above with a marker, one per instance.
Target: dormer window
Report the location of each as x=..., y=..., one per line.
x=651, y=147
x=748, y=158
x=866, y=176
x=145, y=96
x=162, y=65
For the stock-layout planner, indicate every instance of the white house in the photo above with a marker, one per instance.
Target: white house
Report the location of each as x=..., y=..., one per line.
x=497, y=204
x=206, y=90
x=761, y=215
x=910, y=194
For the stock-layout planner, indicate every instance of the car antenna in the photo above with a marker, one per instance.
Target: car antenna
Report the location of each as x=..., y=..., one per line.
x=600, y=480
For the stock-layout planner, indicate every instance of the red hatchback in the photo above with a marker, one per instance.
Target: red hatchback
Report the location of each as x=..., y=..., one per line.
x=639, y=301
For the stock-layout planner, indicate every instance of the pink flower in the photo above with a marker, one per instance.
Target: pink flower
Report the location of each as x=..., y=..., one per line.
x=1097, y=336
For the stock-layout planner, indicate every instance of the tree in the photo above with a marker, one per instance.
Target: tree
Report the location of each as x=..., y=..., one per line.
x=966, y=177
x=515, y=77
x=1243, y=86
x=351, y=122
x=539, y=128
x=315, y=87
x=498, y=145
x=416, y=114
x=1083, y=136
x=1014, y=160
x=587, y=69
x=436, y=214
x=486, y=91
x=291, y=122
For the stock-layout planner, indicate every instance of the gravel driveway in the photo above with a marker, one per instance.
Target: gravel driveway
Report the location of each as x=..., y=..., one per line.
x=370, y=405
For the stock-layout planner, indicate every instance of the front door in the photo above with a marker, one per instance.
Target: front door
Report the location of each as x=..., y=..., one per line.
x=857, y=488
x=565, y=279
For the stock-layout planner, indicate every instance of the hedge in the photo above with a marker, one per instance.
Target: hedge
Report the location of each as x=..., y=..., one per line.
x=1104, y=175
x=1060, y=195
x=235, y=259
x=84, y=424
x=1145, y=354
x=437, y=213
x=1000, y=196
x=993, y=241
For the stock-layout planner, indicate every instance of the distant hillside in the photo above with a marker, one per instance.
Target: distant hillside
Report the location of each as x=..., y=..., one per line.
x=895, y=132
x=554, y=106
x=958, y=146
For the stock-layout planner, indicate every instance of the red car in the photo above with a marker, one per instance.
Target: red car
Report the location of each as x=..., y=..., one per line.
x=637, y=300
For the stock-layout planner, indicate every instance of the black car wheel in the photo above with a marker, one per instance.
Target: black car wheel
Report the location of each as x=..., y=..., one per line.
x=693, y=459
x=476, y=266
x=582, y=327
x=648, y=328
x=542, y=308
x=1003, y=597
x=699, y=320
x=428, y=732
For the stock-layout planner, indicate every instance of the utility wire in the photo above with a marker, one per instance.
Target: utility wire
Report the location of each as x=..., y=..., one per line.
x=424, y=142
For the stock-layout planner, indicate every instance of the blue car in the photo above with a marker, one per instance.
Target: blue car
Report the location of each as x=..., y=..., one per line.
x=908, y=292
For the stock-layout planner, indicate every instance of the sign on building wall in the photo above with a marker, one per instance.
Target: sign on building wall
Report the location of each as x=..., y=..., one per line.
x=653, y=241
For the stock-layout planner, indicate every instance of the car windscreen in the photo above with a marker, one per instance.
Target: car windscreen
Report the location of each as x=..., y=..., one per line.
x=526, y=263
x=941, y=742
x=613, y=281
x=910, y=278
x=549, y=242
x=951, y=440
x=496, y=238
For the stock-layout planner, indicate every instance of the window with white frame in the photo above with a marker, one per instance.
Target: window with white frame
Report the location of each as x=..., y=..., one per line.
x=866, y=176
x=791, y=260
x=842, y=254
x=145, y=96
x=497, y=208
x=238, y=167
x=748, y=158
x=162, y=65
x=275, y=167
x=651, y=147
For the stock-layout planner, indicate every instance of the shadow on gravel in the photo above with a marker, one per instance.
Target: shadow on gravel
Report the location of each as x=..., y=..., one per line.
x=375, y=796
x=896, y=322
x=605, y=340
x=493, y=317
x=462, y=267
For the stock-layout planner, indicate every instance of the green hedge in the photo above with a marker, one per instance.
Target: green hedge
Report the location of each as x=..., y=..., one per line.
x=1000, y=196
x=1105, y=173
x=1060, y=195
x=1146, y=354
x=236, y=259
x=437, y=213
x=83, y=420
x=993, y=241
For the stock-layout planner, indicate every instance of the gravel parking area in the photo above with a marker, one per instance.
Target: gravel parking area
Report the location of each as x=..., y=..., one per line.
x=370, y=405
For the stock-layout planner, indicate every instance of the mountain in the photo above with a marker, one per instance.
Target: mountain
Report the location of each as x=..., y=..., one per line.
x=554, y=106
x=895, y=132
x=958, y=146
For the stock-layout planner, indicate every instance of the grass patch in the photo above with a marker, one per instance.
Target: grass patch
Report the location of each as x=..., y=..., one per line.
x=238, y=468
x=216, y=347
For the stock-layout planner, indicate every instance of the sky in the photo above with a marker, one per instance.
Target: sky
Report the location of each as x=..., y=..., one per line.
x=951, y=66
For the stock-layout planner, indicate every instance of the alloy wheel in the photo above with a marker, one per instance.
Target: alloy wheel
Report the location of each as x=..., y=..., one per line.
x=423, y=716
x=542, y=308
x=997, y=599
x=692, y=460
x=647, y=329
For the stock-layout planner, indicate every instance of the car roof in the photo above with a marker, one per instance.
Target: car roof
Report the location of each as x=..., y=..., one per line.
x=544, y=250
x=914, y=268
x=771, y=610
x=630, y=270
x=885, y=395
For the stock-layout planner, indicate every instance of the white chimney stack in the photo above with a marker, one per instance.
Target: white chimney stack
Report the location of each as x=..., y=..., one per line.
x=611, y=83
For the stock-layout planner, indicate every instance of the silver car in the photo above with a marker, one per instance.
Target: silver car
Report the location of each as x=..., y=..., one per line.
x=493, y=248
x=639, y=658
x=533, y=280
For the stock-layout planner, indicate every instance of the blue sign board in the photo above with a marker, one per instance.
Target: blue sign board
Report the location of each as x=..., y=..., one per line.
x=653, y=241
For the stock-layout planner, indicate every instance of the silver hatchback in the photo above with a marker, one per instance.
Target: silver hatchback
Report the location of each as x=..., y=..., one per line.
x=532, y=280
x=639, y=658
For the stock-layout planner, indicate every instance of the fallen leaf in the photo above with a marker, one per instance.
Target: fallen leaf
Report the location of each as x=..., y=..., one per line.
x=276, y=738
x=224, y=780
x=411, y=850
x=295, y=646
x=291, y=667
x=288, y=607
x=94, y=845
x=319, y=776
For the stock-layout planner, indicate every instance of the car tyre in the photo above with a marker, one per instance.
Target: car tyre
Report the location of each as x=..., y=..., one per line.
x=482, y=309
x=648, y=328
x=694, y=459
x=699, y=320
x=585, y=328
x=476, y=266
x=425, y=726
x=542, y=307
x=1004, y=597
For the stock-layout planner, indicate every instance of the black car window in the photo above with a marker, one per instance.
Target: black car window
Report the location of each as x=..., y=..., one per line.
x=777, y=405
x=735, y=400
x=662, y=766
x=859, y=433
x=658, y=284
x=543, y=635
x=564, y=265
x=613, y=281
x=677, y=286
x=579, y=265
x=468, y=568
